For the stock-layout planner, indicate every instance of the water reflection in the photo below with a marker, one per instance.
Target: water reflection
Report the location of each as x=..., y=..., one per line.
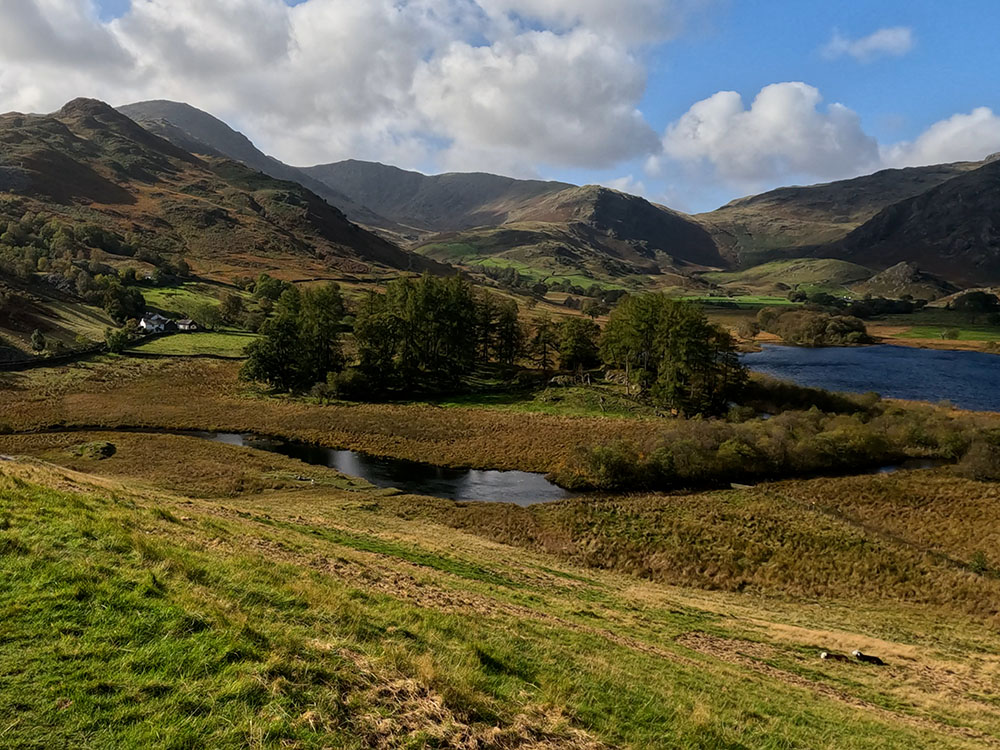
x=519, y=487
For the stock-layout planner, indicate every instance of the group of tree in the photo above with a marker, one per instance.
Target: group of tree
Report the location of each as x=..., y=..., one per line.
x=431, y=332
x=866, y=308
x=670, y=351
x=805, y=327
x=299, y=345
x=978, y=304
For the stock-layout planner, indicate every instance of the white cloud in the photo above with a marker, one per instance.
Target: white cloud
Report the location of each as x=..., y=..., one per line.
x=627, y=184
x=783, y=133
x=563, y=99
x=894, y=41
x=961, y=137
x=785, y=136
x=507, y=84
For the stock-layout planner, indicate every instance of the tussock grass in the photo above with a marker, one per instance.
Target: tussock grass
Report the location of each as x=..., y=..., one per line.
x=135, y=618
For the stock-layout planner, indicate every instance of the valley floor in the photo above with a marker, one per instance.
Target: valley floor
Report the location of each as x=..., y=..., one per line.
x=180, y=593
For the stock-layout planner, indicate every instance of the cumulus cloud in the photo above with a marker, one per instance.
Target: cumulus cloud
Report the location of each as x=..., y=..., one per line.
x=506, y=84
x=784, y=132
x=786, y=135
x=961, y=137
x=894, y=41
x=501, y=97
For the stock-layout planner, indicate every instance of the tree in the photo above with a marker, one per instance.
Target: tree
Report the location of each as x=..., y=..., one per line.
x=320, y=312
x=508, y=343
x=37, y=341
x=545, y=344
x=267, y=287
x=122, y=303
x=232, y=309
x=578, y=344
x=118, y=339
x=670, y=350
x=300, y=345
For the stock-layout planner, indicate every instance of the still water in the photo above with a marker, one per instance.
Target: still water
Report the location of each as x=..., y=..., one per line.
x=519, y=487
x=970, y=380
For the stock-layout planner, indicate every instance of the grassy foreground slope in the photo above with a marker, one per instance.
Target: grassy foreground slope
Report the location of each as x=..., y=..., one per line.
x=316, y=617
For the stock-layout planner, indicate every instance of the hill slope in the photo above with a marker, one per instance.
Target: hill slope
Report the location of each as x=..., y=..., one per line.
x=437, y=203
x=90, y=165
x=201, y=133
x=952, y=230
x=784, y=222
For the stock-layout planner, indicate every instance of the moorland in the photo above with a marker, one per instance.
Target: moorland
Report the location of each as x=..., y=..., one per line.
x=164, y=590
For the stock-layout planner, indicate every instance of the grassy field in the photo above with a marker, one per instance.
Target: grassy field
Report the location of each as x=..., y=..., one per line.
x=169, y=591
x=807, y=274
x=319, y=617
x=177, y=300
x=217, y=343
x=746, y=300
x=965, y=333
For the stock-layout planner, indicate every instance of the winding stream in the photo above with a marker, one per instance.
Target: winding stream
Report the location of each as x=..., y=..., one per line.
x=518, y=487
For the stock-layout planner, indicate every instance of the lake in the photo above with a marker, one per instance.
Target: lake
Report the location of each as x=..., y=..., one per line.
x=970, y=380
x=518, y=487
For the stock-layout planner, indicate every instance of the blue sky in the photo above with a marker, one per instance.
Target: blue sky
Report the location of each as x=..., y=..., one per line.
x=581, y=90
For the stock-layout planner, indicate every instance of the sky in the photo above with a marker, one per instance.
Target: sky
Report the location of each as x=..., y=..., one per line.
x=690, y=103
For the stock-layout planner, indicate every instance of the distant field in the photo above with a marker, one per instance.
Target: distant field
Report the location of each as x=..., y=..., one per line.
x=177, y=300
x=743, y=299
x=221, y=344
x=967, y=333
x=809, y=274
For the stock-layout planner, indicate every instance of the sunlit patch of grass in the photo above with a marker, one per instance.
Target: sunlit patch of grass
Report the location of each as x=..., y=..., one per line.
x=216, y=343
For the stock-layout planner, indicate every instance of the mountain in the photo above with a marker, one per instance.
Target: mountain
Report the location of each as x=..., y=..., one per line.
x=432, y=203
x=785, y=222
x=951, y=230
x=556, y=231
x=88, y=165
x=542, y=229
x=201, y=133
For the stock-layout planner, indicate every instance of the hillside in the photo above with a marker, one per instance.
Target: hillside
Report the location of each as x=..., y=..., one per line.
x=782, y=276
x=904, y=278
x=586, y=234
x=90, y=166
x=201, y=133
x=437, y=203
x=242, y=598
x=952, y=230
x=784, y=222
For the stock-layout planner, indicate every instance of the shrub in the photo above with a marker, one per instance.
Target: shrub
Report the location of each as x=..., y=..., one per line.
x=981, y=462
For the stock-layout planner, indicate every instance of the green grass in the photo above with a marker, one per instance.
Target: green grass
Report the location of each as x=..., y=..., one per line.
x=965, y=333
x=754, y=300
x=572, y=401
x=176, y=301
x=816, y=274
x=137, y=620
x=221, y=343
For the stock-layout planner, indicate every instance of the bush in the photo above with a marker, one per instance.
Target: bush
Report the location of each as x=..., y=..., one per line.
x=981, y=462
x=351, y=384
x=695, y=453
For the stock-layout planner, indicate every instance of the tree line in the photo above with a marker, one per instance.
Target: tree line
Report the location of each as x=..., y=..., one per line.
x=432, y=334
